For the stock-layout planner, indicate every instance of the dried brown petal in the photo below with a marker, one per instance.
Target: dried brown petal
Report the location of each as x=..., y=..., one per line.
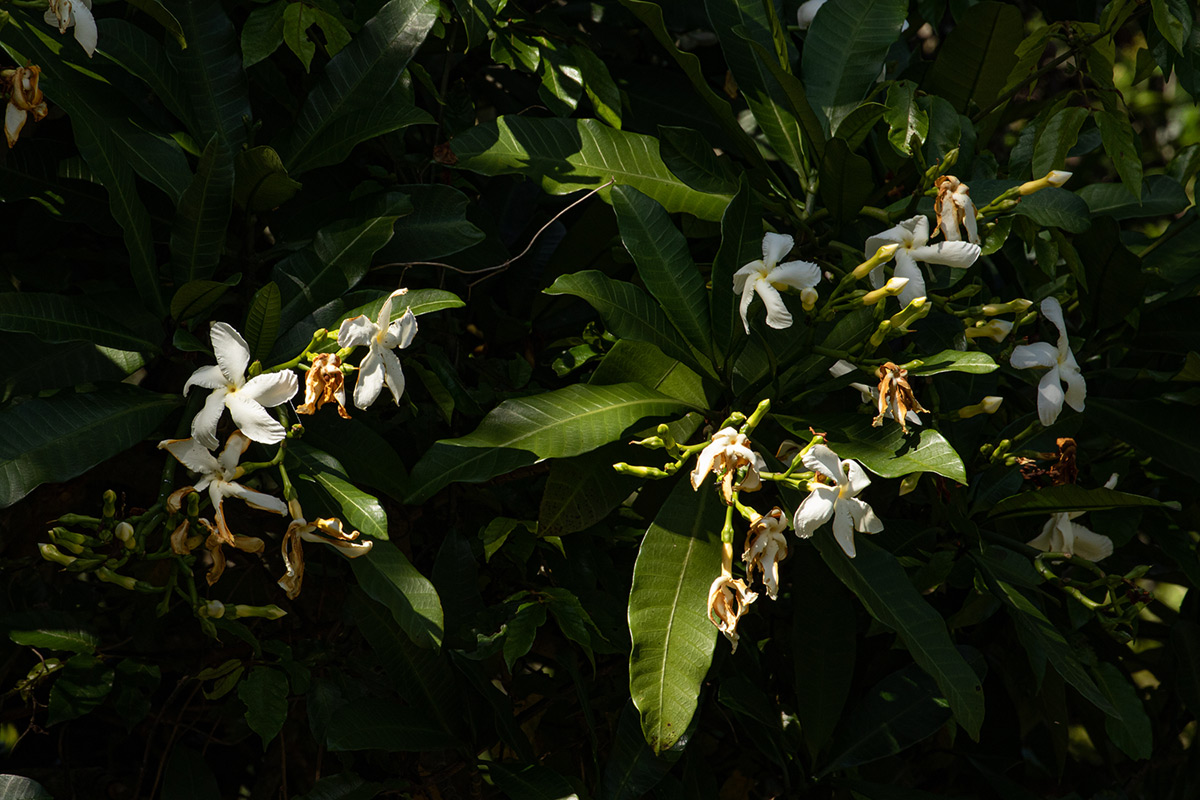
x=896, y=396
x=324, y=383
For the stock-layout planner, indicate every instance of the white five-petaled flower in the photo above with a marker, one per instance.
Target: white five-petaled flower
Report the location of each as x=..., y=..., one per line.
x=870, y=394
x=766, y=546
x=839, y=501
x=912, y=235
x=1060, y=365
x=1061, y=534
x=727, y=453
x=247, y=400
x=768, y=276
x=78, y=13
x=380, y=364
x=219, y=474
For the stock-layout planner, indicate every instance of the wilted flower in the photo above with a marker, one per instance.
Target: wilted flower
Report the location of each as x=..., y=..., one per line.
x=1064, y=469
x=24, y=98
x=1060, y=364
x=767, y=277
x=896, y=398
x=78, y=13
x=245, y=399
x=839, y=501
x=380, y=365
x=912, y=235
x=300, y=529
x=727, y=601
x=870, y=394
x=953, y=207
x=324, y=383
x=1055, y=178
x=1061, y=534
x=727, y=453
x=218, y=474
x=766, y=546
x=213, y=544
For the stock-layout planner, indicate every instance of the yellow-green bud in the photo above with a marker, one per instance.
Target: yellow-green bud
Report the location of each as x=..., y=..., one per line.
x=52, y=553
x=881, y=333
x=78, y=519
x=909, y=483
x=893, y=287
x=124, y=532
x=882, y=256
x=640, y=472
x=193, y=504
x=109, y=509
x=988, y=405
x=266, y=612
x=124, y=581
x=650, y=442
x=919, y=308
x=213, y=609
x=994, y=329
x=1017, y=306
x=1055, y=177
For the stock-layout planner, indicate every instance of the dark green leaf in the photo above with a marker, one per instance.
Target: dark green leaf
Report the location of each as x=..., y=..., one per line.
x=1151, y=427
x=1161, y=196
x=79, y=689
x=1114, y=275
x=1173, y=20
x=846, y=181
x=690, y=158
x=1055, y=499
x=366, y=456
x=599, y=86
x=202, y=217
x=1119, y=142
x=262, y=321
x=297, y=19
x=907, y=123
x=741, y=243
x=144, y=57
x=75, y=640
x=1132, y=732
x=264, y=693
x=858, y=123
x=562, y=79
x=188, y=777
x=56, y=318
x=211, y=67
x=631, y=360
x=386, y=725
x=262, y=183
x=360, y=510
x=159, y=14
x=532, y=783
x=196, y=298
x=391, y=579
x=1058, y=208
x=57, y=366
x=263, y=32
x=581, y=491
x=633, y=768
x=1055, y=140
x=974, y=63
x=438, y=226
x=521, y=630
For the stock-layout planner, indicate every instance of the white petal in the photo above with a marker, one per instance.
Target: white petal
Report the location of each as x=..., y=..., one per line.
x=843, y=527
x=807, y=12
x=356, y=332
x=796, y=274
x=14, y=120
x=85, y=28
x=814, y=511
x=1052, y=310
x=232, y=352
x=744, y=305
x=704, y=463
x=1045, y=540
x=1076, y=387
x=401, y=332
x=778, y=316
x=969, y=221
x=841, y=367
x=235, y=445
x=1091, y=545
x=263, y=502
x=370, y=379
x=271, y=388
x=898, y=234
x=907, y=268
x=50, y=18
x=948, y=221
x=210, y=377
x=393, y=376
x=254, y=420
x=1040, y=354
x=823, y=460
x=752, y=271
x=950, y=254
x=919, y=225
x=204, y=424
x=863, y=515
x=775, y=246
x=856, y=477
x=385, y=312
x=192, y=454
x=1050, y=397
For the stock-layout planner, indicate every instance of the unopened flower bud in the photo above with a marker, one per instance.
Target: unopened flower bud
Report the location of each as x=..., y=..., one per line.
x=995, y=329
x=110, y=504
x=124, y=581
x=78, y=519
x=808, y=298
x=881, y=333
x=213, y=609
x=266, y=612
x=988, y=405
x=882, y=255
x=908, y=483
x=1055, y=178
x=650, y=442
x=919, y=308
x=995, y=309
x=124, y=532
x=52, y=553
x=640, y=472
x=893, y=287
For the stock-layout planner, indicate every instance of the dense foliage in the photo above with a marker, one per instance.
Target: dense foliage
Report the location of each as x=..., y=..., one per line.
x=479, y=292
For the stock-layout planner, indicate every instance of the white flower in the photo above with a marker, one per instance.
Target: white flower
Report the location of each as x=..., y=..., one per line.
x=218, y=474
x=839, y=501
x=380, y=364
x=912, y=235
x=766, y=546
x=954, y=207
x=65, y=13
x=1061, y=534
x=1061, y=368
x=247, y=400
x=727, y=453
x=768, y=276
x=870, y=394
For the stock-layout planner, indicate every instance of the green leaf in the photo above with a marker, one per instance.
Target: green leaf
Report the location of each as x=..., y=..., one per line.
x=262, y=321
x=211, y=67
x=906, y=121
x=196, y=298
x=901, y=710
x=1120, y=143
x=1055, y=140
x=391, y=580
x=202, y=217
x=562, y=80
x=599, y=86
x=297, y=19
x=741, y=243
x=54, y=439
x=1152, y=427
x=262, y=183
x=631, y=360
x=386, y=725
x=1114, y=277
x=974, y=62
x=857, y=125
x=157, y=12
x=664, y=264
x=1069, y=497
x=79, y=689
x=74, y=640
x=264, y=693
x=581, y=491
x=1161, y=196
x=628, y=312
x=1056, y=208
x=1132, y=731
x=17, y=787
x=57, y=366
x=846, y=181
x=521, y=631
x=356, y=88
x=889, y=596
x=558, y=424
x=844, y=52
x=633, y=768
x=188, y=777
x=144, y=57
x=532, y=783
x=367, y=457
x=438, y=226
x=566, y=155
x=690, y=157
x=673, y=639
x=1174, y=22
x=56, y=318
x=973, y=363
x=885, y=450
x=360, y=510
x=263, y=32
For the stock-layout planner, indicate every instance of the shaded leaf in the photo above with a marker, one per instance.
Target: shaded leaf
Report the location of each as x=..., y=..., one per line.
x=262, y=182
x=211, y=67
x=56, y=318
x=386, y=725
x=264, y=692
x=581, y=491
x=1120, y=143
x=977, y=57
x=391, y=580
x=1069, y=497
x=188, y=777
x=1132, y=732
x=202, y=217
x=262, y=321
x=79, y=689
x=846, y=181
x=1161, y=196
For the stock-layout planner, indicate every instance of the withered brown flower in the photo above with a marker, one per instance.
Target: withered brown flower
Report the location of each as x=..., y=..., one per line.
x=324, y=383
x=24, y=98
x=895, y=396
x=954, y=208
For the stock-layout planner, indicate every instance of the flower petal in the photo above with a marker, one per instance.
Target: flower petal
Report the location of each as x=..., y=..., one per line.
x=704, y=463
x=1045, y=540
x=1052, y=310
x=192, y=454
x=1089, y=544
x=232, y=352
x=231, y=454
x=254, y=420
x=1076, y=387
x=393, y=376
x=1050, y=397
x=775, y=246
x=843, y=527
x=263, y=502
x=85, y=28
x=356, y=331
x=754, y=269
x=271, y=388
x=823, y=460
x=841, y=367
x=778, y=316
x=14, y=120
x=901, y=234
x=210, y=377
x=863, y=515
x=907, y=268
x=796, y=274
x=385, y=312
x=950, y=254
x=1039, y=354
x=744, y=305
x=401, y=332
x=204, y=424
x=814, y=511
x=856, y=477
x=370, y=379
